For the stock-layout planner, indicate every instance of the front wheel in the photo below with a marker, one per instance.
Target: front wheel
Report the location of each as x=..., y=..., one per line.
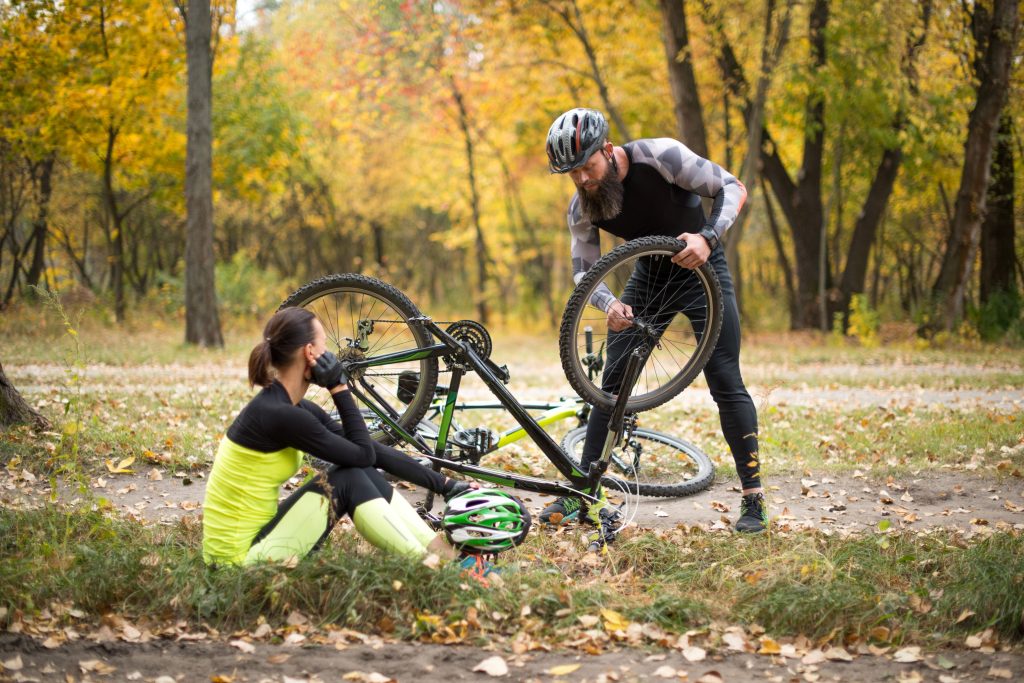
x=650, y=463
x=677, y=317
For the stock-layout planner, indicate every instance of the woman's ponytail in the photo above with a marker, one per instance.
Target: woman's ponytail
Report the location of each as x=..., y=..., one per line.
x=259, y=365
x=287, y=331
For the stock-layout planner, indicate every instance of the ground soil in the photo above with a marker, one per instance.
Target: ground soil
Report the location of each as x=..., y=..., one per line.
x=405, y=661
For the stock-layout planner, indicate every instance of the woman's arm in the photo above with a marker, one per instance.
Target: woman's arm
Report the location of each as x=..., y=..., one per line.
x=304, y=427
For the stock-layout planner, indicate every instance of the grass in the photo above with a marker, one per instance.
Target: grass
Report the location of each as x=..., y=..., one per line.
x=912, y=586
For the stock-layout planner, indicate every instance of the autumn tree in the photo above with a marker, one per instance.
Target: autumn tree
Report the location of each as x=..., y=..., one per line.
x=202, y=322
x=996, y=33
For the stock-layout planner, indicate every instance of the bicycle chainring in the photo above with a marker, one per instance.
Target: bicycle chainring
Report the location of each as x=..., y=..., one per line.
x=474, y=334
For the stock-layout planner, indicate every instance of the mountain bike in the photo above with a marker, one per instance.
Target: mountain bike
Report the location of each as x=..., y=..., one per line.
x=647, y=462
x=380, y=334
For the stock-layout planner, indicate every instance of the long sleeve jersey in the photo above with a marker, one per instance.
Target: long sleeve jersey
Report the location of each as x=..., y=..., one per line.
x=662, y=196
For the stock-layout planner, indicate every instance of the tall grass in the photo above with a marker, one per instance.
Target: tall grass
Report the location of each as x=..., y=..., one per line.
x=809, y=584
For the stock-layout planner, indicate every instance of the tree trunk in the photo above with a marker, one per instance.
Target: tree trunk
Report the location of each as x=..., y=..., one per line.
x=997, y=231
x=40, y=227
x=13, y=409
x=115, y=239
x=474, y=201
x=996, y=43
x=773, y=43
x=689, y=115
x=800, y=201
x=855, y=272
x=808, y=213
x=202, y=322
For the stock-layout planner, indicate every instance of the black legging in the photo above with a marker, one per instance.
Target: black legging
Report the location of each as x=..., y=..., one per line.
x=349, y=487
x=735, y=407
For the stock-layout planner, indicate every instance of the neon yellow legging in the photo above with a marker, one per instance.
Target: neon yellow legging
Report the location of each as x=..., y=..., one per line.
x=392, y=527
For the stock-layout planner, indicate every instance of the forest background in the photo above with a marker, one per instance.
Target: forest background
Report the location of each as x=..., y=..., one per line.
x=880, y=143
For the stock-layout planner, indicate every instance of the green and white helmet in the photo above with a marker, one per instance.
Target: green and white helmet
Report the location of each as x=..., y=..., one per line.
x=485, y=521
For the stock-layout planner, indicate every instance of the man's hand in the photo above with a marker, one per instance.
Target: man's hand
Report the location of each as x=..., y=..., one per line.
x=327, y=372
x=696, y=252
x=620, y=316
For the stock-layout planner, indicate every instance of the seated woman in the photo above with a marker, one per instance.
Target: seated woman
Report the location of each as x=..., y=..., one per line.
x=242, y=520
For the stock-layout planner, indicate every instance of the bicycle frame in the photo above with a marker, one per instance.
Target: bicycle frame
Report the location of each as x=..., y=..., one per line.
x=564, y=409
x=466, y=359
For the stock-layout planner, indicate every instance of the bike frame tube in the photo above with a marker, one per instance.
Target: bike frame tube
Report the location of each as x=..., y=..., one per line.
x=560, y=412
x=529, y=425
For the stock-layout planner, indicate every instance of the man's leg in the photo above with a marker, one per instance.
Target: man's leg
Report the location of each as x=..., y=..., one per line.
x=735, y=406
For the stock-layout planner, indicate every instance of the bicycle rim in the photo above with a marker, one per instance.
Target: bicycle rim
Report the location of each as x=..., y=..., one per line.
x=365, y=317
x=678, y=316
x=650, y=463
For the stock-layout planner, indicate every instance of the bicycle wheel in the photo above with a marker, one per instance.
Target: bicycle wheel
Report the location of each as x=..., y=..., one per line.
x=650, y=463
x=363, y=316
x=677, y=316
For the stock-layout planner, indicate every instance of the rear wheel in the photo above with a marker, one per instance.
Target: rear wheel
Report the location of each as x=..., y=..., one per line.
x=650, y=463
x=363, y=316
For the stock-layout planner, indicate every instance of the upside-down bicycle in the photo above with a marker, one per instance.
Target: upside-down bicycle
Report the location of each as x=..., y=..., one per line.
x=382, y=338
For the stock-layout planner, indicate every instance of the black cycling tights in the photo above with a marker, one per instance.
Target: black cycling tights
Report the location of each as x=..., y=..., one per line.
x=349, y=487
x=735, y=407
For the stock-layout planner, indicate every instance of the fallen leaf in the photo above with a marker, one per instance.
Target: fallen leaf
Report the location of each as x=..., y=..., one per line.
x=964, y=616
x=613, y=621
x=588, y=620
x=694, y=654
x=999, y=673
x=372, y=677
x=493, y=666
x=121, y=467
x=913, y=676
x=735, y=641
x=711, y=677
x=13, y=664
x=278, y=659
x=96, y=666
x=769, y=647
x=432, y=561
x=665, y=671
x=813, y=657
x=247, y=648
x=907, y=655
x=561, y=669
x=838, y=654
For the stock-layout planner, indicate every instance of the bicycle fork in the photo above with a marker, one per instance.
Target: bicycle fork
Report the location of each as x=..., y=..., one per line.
x=608, y=526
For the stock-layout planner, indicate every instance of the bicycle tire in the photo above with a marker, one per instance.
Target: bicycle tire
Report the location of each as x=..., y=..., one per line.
x=358, y=299
x=615, y=271
x=690, y=459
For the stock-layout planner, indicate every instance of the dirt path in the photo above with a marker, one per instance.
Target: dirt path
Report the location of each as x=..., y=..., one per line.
x=168, y=661
x=839, y=504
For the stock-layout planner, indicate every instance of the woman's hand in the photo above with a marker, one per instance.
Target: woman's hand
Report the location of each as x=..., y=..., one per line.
x=327, y=372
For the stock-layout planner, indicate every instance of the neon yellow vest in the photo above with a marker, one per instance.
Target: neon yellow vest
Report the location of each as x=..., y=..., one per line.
x=241, y=497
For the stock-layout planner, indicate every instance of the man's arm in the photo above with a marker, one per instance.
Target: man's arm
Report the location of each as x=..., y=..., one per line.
x=586, y=250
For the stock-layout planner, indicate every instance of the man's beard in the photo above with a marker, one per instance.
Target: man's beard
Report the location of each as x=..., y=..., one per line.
x=605, y=202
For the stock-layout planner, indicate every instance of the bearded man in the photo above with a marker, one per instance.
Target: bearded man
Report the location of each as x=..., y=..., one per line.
x=654, y=187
